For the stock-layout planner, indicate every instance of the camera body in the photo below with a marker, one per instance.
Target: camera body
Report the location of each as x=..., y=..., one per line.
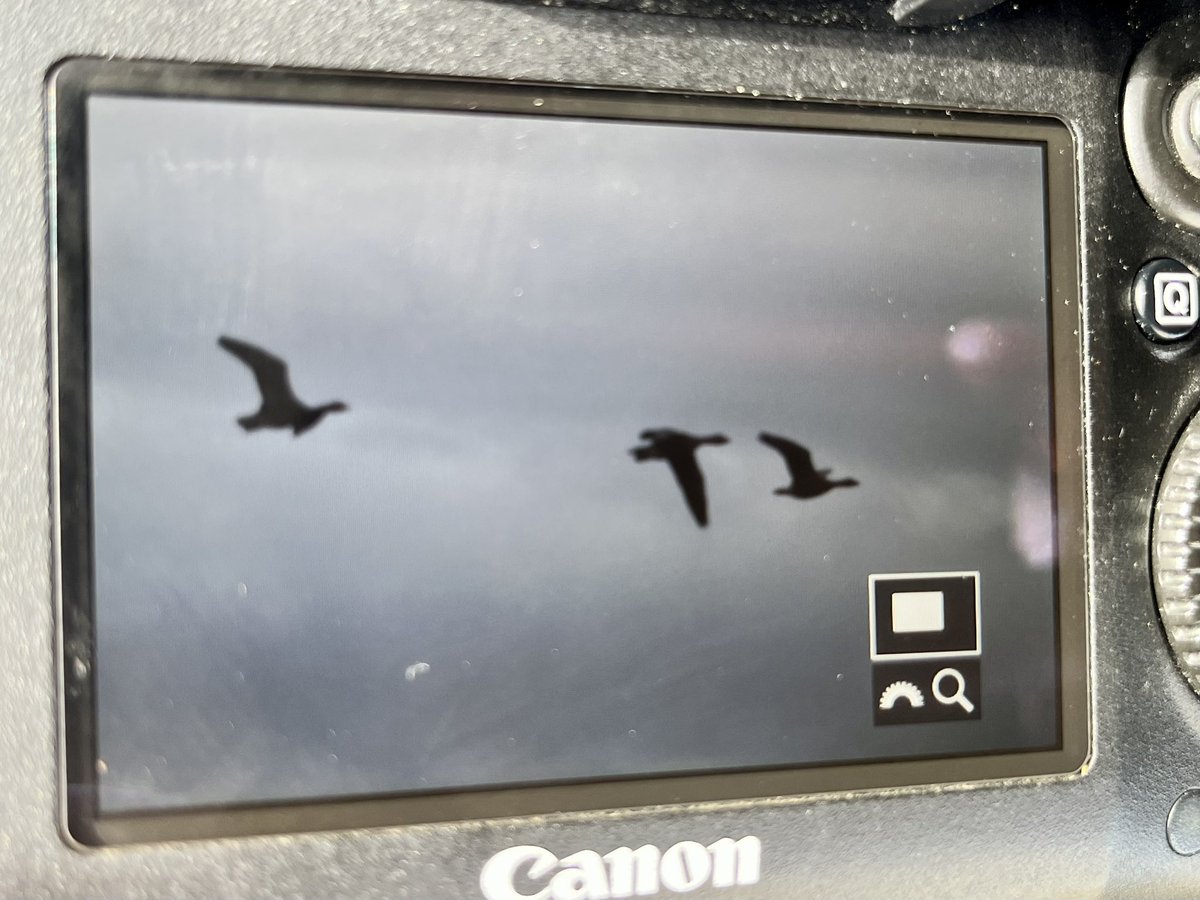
x=1117, y=829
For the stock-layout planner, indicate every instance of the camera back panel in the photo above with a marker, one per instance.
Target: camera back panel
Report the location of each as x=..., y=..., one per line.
x=1101, y=833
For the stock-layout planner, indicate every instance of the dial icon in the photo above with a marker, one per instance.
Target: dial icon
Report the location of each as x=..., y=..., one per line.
x=898, y=690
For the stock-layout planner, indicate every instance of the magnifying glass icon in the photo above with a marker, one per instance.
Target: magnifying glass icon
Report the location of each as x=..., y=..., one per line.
x=960, y=686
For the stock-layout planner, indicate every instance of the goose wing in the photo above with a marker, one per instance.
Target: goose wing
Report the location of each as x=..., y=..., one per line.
x=798, y=459
x=270, y=372
x=691, y=482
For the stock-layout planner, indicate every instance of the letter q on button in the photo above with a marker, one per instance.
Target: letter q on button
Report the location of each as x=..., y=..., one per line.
x=1175, y=300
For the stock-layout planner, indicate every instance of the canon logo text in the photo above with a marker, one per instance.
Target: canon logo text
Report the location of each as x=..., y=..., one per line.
x=534, y=873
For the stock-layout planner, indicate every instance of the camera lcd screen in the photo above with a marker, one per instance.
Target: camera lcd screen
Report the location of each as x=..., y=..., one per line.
x=435, y=450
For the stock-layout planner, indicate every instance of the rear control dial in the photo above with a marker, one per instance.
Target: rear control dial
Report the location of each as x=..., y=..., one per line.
x=1175, y=551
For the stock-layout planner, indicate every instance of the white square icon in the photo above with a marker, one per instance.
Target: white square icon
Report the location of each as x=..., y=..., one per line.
x=1176, y=300
x=923, y=615
x=918, y=611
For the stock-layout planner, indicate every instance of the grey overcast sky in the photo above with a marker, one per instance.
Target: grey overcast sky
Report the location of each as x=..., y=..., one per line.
x=465, y=579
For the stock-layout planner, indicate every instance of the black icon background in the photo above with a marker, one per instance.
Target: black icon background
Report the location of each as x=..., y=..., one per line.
x=921, y=673
x=959, y=634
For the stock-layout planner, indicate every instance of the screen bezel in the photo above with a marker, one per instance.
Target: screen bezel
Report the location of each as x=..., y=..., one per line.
x=73, y=82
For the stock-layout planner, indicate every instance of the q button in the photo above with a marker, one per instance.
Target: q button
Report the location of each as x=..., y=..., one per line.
x=1166, y=301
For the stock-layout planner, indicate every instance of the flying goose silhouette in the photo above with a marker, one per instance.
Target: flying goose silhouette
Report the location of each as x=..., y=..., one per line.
x=679, y=448
x=807, y=482
x=280, y=407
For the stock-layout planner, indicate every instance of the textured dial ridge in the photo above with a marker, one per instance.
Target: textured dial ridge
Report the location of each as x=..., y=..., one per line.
x=1175, y=552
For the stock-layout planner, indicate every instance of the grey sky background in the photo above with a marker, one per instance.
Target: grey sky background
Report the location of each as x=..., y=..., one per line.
x=504, y=303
